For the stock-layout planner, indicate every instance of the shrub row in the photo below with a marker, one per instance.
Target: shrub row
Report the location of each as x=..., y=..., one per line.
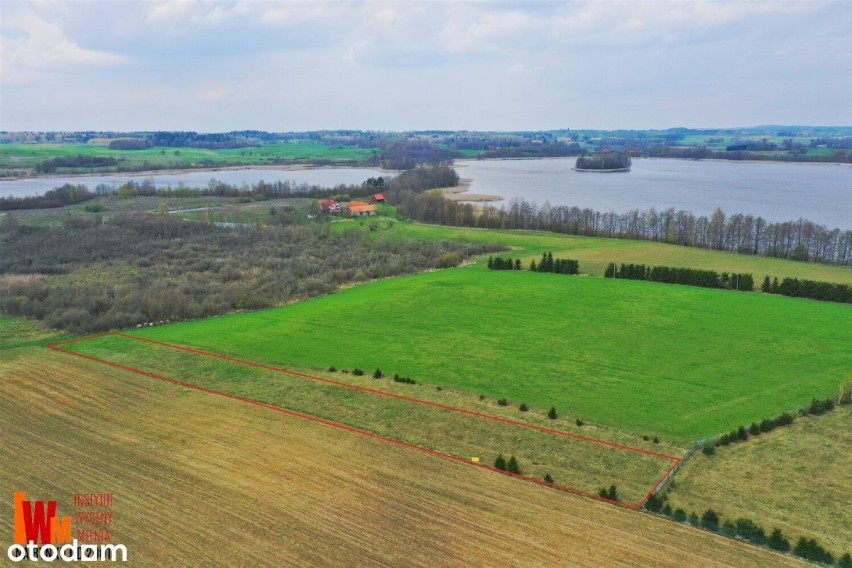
x=746, y=529
x=497, y=263
x=685, y=276
x=825, y=291
x=555, y=265
x=816, y=408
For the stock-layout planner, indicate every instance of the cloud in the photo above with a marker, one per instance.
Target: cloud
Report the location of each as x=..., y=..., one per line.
x=208, y=65
x=32, y=46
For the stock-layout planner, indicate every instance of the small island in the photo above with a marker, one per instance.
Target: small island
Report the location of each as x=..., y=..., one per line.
x=605, y=162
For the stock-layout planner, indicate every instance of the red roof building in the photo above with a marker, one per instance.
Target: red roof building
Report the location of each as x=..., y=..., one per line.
x=361, y=208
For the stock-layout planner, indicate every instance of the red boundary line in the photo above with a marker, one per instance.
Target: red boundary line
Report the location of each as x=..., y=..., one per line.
x=59, y=347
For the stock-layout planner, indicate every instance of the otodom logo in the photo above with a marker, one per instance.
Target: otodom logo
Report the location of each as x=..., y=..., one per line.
x=41, y=535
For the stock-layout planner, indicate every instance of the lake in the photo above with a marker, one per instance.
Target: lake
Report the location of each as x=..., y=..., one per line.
x=325, y=177
x=776, y=191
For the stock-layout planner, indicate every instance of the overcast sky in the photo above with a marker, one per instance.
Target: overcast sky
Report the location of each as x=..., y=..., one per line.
x=279, y=66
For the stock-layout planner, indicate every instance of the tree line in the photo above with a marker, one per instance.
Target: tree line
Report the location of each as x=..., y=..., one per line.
x=50, y=165
x=547, y=264
x=686, y=276
x=796, y=240
x=748, y=530
x=796, y=288
x=499, y=263
x=555, y=265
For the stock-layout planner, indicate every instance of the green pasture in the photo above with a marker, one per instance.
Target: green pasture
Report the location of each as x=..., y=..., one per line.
x=676, y=361
x=14, y=156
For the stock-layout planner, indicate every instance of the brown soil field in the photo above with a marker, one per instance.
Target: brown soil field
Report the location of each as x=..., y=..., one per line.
x=200, y=480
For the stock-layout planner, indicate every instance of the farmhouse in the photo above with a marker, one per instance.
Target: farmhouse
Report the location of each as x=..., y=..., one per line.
x=361, y=209
x=378, y=198
x=330, y=206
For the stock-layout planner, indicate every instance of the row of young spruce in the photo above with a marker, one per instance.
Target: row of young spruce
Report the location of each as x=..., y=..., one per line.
x=746, y=529
x=377, y=374
x=685, y=276
x=750, y=531
x=796, y=288
x=546, y=264
x=741, y=434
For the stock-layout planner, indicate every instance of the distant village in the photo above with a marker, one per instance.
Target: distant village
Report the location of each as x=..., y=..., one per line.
x=352, y=208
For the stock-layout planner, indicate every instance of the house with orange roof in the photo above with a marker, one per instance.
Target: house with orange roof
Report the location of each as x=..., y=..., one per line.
x=361, y=209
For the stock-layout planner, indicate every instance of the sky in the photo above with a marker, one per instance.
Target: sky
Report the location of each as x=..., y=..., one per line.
x=212, y=66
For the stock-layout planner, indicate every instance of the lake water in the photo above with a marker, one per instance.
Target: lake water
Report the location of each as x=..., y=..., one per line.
x=324, y=177
x=776, y=191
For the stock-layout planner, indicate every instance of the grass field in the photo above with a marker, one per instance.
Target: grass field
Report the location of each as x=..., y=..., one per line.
x=201, y=480
x=680, y=362
x=17, y=156
x=796, y=478
x=577, y=464
x=18, y=332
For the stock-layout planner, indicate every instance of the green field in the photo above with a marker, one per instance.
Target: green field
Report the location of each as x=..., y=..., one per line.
x=18, y=332
x=681, y=362
x=18, y=156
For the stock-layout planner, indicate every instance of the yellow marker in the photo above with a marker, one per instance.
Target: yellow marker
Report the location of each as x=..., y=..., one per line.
x=474, y=459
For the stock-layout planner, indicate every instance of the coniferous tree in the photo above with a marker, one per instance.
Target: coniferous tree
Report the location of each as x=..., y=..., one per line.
x=490, y=262
x=532, y=266
x=548, y=478
x=777, y=541
x=654, y=504
x=500, y=463
x=845, y=561
x=710, y=520
x=766, y=286
x=517, y=264
x=512, y=465
x=552, y=413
